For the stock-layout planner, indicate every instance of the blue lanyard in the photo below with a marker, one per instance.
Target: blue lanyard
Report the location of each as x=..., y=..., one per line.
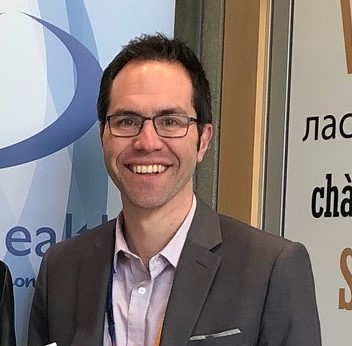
x=110, y=310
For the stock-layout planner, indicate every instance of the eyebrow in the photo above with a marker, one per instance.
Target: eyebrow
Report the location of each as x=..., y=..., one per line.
x=124, y=112
x=166, y=111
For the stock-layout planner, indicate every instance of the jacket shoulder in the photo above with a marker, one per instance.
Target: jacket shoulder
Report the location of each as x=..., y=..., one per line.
x=249, y=240
x=81, y=243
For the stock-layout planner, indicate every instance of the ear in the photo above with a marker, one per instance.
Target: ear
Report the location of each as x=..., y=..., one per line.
x=101, y=127
x=205, y=139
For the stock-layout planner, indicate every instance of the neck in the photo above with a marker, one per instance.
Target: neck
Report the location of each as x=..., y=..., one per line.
x=148, y=231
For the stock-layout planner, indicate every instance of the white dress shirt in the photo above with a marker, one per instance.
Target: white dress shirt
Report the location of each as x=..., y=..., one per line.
x=140, y=296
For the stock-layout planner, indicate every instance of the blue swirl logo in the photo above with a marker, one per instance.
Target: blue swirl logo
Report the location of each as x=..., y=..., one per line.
x=78, y=117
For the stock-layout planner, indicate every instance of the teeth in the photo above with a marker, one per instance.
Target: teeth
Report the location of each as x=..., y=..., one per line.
x=143, y=169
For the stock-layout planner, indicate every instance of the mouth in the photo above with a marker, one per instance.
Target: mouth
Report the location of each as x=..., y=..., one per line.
x=147, y=169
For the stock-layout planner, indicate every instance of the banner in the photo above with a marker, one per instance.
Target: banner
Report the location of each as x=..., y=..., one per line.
x=318, y=192
x=53, y=183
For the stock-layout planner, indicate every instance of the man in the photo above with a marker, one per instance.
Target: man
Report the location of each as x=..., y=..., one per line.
x=170, y=271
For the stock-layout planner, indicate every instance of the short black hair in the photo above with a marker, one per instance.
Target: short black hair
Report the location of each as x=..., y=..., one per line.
x=158, y=47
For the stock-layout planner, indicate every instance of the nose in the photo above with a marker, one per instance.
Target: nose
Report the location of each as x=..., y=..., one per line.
x=148, y=140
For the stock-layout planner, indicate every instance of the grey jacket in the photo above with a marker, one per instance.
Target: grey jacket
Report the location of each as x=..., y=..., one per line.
x=234, y=285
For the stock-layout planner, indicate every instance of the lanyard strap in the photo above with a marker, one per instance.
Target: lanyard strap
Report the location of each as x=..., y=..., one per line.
x=110, y=310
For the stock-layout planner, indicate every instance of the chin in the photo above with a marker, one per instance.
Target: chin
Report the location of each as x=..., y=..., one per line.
x=146, y=201
x=147, y=204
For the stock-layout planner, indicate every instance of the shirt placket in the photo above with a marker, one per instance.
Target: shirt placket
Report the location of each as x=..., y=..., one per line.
x=138, y=308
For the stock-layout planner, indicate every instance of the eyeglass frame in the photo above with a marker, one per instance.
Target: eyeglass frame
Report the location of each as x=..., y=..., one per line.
x=190, y=119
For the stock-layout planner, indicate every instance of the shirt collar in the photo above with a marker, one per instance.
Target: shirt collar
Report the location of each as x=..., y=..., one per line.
x=173, y=248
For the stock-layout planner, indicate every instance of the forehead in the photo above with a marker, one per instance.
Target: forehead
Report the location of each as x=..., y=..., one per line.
x=151, y=84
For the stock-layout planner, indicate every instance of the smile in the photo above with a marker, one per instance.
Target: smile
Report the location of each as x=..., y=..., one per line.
x=147, y=169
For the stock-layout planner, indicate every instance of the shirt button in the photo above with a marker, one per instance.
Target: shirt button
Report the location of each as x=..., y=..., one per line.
x=141, y=290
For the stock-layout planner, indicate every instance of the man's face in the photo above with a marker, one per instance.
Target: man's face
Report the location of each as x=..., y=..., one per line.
x=151, y=88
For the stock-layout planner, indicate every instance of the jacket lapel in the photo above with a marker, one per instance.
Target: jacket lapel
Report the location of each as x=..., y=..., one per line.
x=193, y=279
x=93, y=281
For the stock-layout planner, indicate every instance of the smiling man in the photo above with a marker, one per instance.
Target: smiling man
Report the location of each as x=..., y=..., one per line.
x=169, y=270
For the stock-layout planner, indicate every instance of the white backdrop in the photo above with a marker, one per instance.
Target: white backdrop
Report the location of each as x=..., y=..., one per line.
x=53, y=184
x=318, y=194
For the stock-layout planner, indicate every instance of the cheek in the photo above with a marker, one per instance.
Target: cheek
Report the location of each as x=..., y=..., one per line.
x=108, y=152
x=111, y=159
x=191, y=154
x=113, y=147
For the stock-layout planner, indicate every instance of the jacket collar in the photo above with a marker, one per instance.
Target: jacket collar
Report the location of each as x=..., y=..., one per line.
x=194, y=277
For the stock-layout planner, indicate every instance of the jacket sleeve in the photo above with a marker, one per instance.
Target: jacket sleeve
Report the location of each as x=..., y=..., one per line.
x=7, y=328
x=290, y=316
x=38, y=330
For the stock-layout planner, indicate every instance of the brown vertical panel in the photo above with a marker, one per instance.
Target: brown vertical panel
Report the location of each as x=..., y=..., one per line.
x=260, y=115
x=238, y=108
x=347, y=30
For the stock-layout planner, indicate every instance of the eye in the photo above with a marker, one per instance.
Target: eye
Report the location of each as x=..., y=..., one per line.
x=125, y=121
x=170, y=121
